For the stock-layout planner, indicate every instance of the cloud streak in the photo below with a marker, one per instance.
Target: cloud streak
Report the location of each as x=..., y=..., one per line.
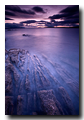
x=16, y=8
x=6, y=18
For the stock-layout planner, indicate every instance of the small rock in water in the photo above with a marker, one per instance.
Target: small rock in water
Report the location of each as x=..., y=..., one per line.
x=25, y=35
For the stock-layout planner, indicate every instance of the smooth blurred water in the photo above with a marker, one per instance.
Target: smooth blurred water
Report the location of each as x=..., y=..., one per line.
x=58, y=44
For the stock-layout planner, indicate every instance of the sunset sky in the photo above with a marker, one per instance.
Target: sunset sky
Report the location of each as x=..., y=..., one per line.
x=35, y=16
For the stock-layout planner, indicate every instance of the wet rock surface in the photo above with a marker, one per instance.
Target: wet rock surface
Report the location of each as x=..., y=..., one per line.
x=31, y=88
x=49, y=103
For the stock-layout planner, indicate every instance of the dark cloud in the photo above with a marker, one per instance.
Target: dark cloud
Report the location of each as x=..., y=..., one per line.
x=67, y=13
x=73, y=17
x=30, y=12
x=34, y=21
x=49, y=24
x=13, y=25
x=71, y=9
x=16, y=8
x=6, y=18
x=71, y=22
x=28, y=21
x=52, y=20
x=9, y=13
x=71, y=12
x=64, y=16
x=41, y=22
x=58, y=16
x=38, y=9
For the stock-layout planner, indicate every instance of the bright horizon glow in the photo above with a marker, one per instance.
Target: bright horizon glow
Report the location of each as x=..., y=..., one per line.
x=64, y=26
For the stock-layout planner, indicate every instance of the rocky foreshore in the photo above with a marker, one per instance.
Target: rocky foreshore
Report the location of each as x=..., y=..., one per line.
x=31, y=89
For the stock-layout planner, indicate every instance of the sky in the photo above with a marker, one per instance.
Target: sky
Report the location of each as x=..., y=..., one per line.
x=41, y=16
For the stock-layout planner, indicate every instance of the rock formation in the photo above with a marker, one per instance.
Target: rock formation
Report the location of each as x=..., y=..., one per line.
x=32, y=89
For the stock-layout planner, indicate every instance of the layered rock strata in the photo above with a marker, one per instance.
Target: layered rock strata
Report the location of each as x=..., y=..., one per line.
x=32, y=89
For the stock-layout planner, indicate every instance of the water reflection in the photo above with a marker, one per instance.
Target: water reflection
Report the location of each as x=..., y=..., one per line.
x=54, y=42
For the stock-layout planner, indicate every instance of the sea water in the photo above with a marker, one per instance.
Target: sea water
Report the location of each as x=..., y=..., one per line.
x=57, y=44
x=54, y=46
